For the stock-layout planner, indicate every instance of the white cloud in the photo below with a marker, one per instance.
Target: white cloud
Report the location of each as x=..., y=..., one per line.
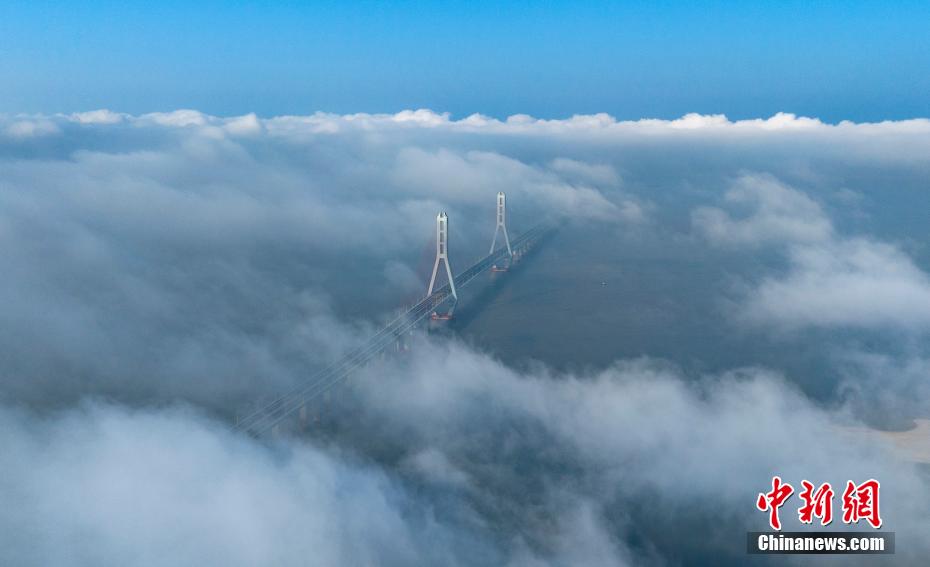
x=31, y=128
x=176, y=118
x=523, y=123
x=778, y=214
x=106, y=486
x=832, y=281
x=421, y=117
x=695, y=121
x=779, y=121
x=102, y=116
x=474, y=175
x=855, y=283
x=246, y=125
x=638, y=432
x=493, y=466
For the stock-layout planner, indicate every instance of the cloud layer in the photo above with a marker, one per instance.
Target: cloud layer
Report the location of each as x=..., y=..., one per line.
x=832, y=281
x=446, y=457
x=103, y=486
x=728, y=298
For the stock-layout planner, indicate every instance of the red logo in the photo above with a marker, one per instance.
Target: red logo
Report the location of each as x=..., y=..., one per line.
x=860, y=502
x=817, y=504
x=774, y=500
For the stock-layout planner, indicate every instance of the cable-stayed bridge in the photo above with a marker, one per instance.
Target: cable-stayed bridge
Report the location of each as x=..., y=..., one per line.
x=266, y=419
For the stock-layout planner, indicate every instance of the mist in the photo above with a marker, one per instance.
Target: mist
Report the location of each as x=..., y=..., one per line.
x=724, y=301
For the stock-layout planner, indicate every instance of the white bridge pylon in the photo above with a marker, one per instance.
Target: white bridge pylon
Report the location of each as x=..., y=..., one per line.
x=501, y=224
x=442, y=254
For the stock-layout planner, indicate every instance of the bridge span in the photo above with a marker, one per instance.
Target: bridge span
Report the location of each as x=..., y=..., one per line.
x=267, y=418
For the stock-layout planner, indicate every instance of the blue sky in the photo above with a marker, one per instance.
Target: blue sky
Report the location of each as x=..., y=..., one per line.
x=834, y=60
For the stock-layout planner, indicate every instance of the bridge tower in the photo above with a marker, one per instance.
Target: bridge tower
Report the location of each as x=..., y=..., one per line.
x=501, y=227
x=442, y=254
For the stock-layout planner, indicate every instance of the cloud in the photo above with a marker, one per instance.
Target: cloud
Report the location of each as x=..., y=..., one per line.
x=101, y=485
x=246, y=125
x=598, y=174
x=777, y=214
x=177, y=118
x=421, y=117
x=603, y=123
x=182, y=258
x=523, y=123
x=855, y=282
x=832, y=280
x=432, y=465
x=694, y=121
x=443, y=457
x=477, y=174
x=173, y=254
x=591, y=462
x=102, y=116
x=30, y=128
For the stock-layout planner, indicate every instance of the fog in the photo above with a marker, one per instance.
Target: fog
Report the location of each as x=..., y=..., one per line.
x=764, y=289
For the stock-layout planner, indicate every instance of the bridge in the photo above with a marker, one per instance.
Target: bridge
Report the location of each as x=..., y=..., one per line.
x=269, y=417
